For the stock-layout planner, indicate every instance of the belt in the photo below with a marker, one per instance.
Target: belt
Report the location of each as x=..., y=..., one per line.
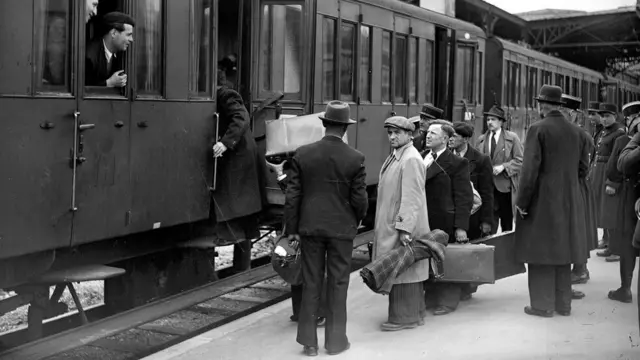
x=600, y=158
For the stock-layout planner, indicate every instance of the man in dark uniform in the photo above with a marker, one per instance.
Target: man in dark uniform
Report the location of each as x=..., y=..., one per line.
x=579, y=273
x=449, y=202
x=104, y=60
x=604, y=147
x=326, y=199
x=547, y=239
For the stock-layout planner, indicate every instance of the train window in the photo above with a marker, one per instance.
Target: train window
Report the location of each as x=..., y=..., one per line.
x=202, y=61
x=386, y=66
x=506, y=73
x=428, y=95
x=514, y=82
x=479, y=78
x=348, y=62
x=52, y=44
x=365, y=63
x=149, y=44
x=560, y=80
x=281, y=49
x=414, y=59
x=464, y=70
x=328, y=59
x=576, y=87
x=400, y=70
x=532, y=87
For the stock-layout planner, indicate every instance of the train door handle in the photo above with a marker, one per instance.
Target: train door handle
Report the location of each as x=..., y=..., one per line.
x=119, y=124
x=143, y=124
x=83, y=127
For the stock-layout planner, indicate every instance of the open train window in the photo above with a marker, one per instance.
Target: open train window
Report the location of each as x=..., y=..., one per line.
x=348, y=61
x=365, y=63
x=428, y=95
x=328, y=58
x=400, y=70
x=52, y=45
x=282, y=42
x=386, y=66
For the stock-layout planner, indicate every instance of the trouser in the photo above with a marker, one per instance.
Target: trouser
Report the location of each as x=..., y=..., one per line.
x=296, y=299
x=550, y=287
x=502, y=211
x=406, y=303
x=627, y=265
x=442, y=294
x=638, y=292
x=605, y=236
x=318, y=252
x=579, y=268
x=242, y=256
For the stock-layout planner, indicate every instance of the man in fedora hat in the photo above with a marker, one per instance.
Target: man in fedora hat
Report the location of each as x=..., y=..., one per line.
x=401, y=215
x=611, y=130
x=504, y=148
x=550, y=228
x=326, y=200
x=579, y=273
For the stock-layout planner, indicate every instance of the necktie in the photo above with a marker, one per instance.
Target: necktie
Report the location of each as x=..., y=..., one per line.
x=494, y=144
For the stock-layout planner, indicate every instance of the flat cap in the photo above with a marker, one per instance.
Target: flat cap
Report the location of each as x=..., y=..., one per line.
x=399, y=122
x=571, y=102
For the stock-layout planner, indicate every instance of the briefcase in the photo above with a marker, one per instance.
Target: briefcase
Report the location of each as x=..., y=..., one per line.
x=469, y=263
x=505, y=263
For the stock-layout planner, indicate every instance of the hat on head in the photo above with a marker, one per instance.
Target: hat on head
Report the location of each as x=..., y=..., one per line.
x=550, y=94
x=116, y=17
x=399, y=122
x=571, y=102
x=431, y=111
x=608, y=108
x=630, y=109
x=593, y=106
x=463, y=129
x=496, y=111
x=415, y=120
x=337, y=112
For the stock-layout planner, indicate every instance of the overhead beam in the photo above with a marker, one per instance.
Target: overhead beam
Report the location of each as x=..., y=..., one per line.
x=482, y=5
x=588, y=44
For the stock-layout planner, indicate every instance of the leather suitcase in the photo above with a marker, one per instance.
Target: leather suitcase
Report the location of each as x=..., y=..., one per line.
x=505, y=264
x=469, y=263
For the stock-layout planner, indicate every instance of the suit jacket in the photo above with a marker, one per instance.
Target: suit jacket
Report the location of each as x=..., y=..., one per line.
x=95, y=67
x=481, y=175
x=326, y=193
x=509, y=152
x=449, y=194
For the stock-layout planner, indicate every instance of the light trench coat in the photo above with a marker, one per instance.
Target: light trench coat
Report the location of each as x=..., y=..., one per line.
x=402, y=205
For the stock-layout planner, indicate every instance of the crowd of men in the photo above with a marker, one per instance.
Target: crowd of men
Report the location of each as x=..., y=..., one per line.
x=562, y=185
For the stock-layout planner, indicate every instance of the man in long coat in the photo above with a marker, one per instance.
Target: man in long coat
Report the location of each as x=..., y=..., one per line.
x=240, y=192
x=550, y=221
x=605, y=140
x=401, y=215
x=326, y=199
x=505, y=150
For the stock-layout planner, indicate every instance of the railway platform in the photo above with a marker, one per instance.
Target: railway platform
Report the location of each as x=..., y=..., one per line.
x=491, y=326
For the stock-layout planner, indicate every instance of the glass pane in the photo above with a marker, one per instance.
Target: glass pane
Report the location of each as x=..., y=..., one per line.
x=52, y=25
x=413, y=69
x=347, y=59
x=480, y=77
x=202, y=38
x=281, y=47
x=365, y=64
x=429, y=77
x=400, y=73
x=386, y=66
x=149, y=47
x=328, y=59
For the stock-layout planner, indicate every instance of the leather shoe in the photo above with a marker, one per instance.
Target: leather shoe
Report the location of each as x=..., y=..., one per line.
x=564, y=312
x=442, y=310
x=577, y=295
x=621, y=294
x=581, y=278
x=612, y=258
x=604, y=253
x=310, y=350
x=389, y=326
x=331, y=352
x=537, y=312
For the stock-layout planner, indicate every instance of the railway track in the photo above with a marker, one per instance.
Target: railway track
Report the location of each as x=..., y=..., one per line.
x=140, y=332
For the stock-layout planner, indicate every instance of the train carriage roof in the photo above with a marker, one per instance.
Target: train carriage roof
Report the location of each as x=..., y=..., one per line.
x=519, y=49
x=428, y=15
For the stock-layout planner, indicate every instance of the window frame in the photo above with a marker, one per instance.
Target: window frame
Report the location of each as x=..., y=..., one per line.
x=472, y=96
x=394, y=67
x=354, y=61
x=193, y=93
x=368, y=97
x=163, y=46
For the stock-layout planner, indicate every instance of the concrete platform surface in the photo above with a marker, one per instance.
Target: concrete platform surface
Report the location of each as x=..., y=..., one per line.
x=491, y=326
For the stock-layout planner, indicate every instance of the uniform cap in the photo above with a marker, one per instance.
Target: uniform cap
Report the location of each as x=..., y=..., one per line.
x=571, y=102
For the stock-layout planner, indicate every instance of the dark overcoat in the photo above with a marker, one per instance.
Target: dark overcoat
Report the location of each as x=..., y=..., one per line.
x=240, y=188
x=481, y=175
x=590, y=212
x=629, y=165
x=449, y=194
x=95, y=64
x=624, y=200
x=605, y=139
x=553, y=231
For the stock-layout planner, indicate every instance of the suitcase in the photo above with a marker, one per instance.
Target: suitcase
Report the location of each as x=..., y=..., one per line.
x=469, y=263
x=505, y=264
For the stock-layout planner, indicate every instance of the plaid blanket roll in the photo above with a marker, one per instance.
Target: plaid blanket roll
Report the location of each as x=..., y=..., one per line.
x=379, y=274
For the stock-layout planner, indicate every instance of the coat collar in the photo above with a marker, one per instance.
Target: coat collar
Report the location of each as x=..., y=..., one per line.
x=441, y=162
x=397, y=153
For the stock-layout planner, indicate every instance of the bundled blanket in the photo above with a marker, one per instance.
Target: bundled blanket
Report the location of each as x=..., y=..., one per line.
x=379, y=274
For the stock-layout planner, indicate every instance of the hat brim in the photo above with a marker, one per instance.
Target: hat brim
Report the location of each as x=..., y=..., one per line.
x=496, y=115
x=428, y=115
x=606, y=112
x=350, y=121
x=555, y=102
x=398, y=127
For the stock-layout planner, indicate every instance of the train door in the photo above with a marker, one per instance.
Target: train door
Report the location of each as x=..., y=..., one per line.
x=464, y=102
x=38, y=100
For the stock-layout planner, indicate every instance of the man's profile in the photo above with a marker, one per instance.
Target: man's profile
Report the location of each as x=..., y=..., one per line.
x=104, y=61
